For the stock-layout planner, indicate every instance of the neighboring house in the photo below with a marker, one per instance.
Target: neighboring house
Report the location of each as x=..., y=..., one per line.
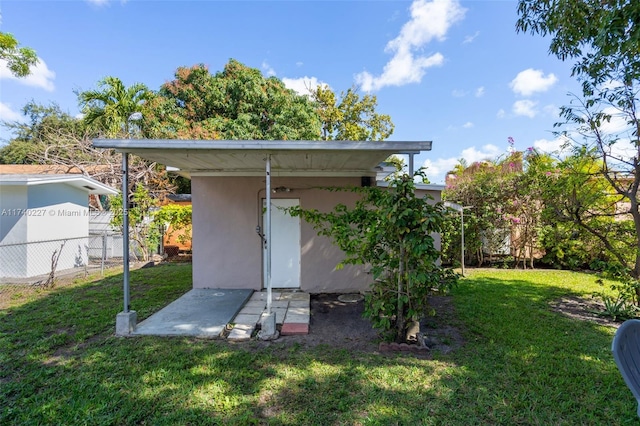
x=38, y=213
x=228, y=181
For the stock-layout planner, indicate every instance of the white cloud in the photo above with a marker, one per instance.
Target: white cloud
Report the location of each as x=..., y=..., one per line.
x=41, y=76
x=268, y=70
x=501, y=113
x=618, y=128
x=618, y=123
x=7, y=114
x=470, y=38
x=303, y=85
x=436, y=169
x=429, y=20
x=550, y=146
x=525, y=107
x=467, y=125
x=487, y=152
x=480, y=92
x=530, y=81
x=458, y=93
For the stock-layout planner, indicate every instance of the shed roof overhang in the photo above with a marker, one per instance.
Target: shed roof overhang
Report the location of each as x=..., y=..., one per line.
x=247, y=157
x=82, y=182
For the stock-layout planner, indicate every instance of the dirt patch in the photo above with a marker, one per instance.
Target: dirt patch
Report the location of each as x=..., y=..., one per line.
x=340, y=325
x=583, y=309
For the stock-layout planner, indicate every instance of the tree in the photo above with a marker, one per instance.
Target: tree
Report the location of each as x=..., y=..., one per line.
x=175, y=218
x=603, y=38
x=19, y=59
x=481, y=186
x=601, y=35
x=390, y=229
x=111, y=105
x=350, y=117
x=53, y=137
x=142, y=229
x=47, y=126
x=577, y=194
x=506, y=200
x=237, y=103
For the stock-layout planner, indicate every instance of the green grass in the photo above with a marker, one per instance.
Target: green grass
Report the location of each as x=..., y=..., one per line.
x=522, y=364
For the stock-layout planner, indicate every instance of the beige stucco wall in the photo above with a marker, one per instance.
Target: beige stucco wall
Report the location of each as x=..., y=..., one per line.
x=227, y=250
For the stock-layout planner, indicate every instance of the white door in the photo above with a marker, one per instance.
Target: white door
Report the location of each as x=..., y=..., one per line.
x=285, y=245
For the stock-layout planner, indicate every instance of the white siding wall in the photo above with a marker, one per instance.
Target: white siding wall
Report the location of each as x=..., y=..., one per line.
x=52, y=212
x=13, y=229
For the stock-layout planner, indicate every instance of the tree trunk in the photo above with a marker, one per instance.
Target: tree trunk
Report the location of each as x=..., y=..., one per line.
x=635, y=214
x=400, y=314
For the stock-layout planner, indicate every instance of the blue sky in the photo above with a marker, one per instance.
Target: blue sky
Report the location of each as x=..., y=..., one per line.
x=454, y=72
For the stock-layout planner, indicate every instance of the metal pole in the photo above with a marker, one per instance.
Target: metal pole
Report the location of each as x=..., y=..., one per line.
x=104, y=253
x=125, y=227
x=267, y=234
x=411, y=165
x=462, y=236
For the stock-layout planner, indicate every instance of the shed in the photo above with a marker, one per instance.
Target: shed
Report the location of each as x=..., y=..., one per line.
x=230, y=180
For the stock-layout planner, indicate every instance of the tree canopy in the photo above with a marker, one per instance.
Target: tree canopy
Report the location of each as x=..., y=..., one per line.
x=601, y=35
x=236, y=103
x=19, y=59
x=109, y=107
x=350, y=117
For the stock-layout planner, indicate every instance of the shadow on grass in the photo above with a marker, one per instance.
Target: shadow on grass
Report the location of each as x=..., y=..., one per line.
x=522, y=364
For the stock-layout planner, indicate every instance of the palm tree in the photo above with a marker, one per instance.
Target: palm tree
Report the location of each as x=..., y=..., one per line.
x=112, y=104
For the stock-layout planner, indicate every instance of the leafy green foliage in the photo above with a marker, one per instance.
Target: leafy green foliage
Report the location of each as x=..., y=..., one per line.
x=178, y=218
x=140, y=212
x=46, y=135
x=390, y=229
x=350, y=117
x=110, y=106
x=620, y=303
x=603, y=38
x=237, y=103
x=19, y=59
x=502, y=204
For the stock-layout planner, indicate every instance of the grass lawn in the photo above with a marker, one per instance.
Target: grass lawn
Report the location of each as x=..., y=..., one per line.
x=522, y=364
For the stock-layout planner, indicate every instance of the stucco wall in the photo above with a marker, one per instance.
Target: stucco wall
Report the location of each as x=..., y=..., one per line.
x=227, y=250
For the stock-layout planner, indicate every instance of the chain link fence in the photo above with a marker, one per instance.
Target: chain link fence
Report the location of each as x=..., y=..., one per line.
x=41, y=263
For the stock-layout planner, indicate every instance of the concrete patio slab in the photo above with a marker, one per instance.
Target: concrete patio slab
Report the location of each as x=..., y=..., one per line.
x=200, y=313
x=295, y=296
x=240, y=333
x=284, y=305
x=294, y=318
